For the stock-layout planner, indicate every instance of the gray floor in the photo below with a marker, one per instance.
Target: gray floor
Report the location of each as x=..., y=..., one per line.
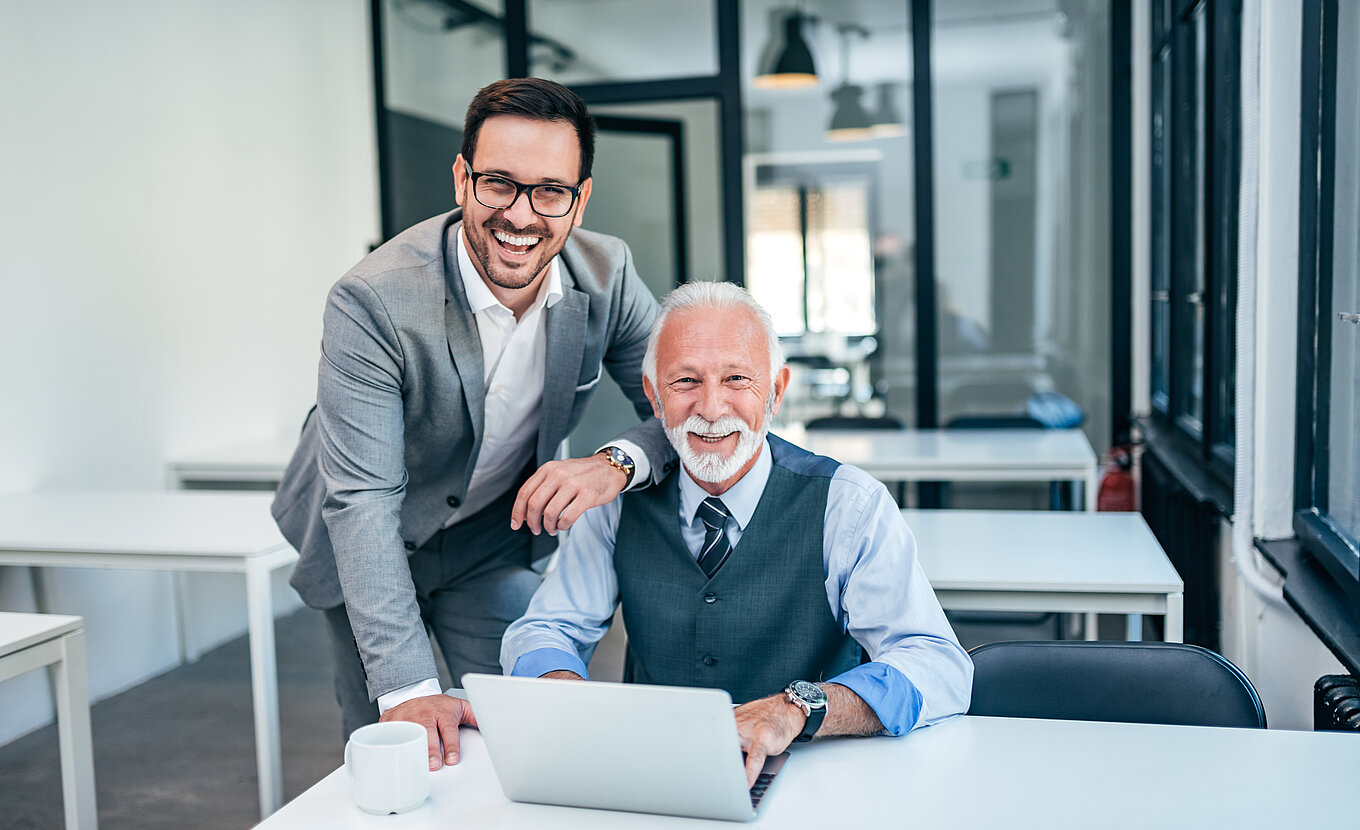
x=179, y=750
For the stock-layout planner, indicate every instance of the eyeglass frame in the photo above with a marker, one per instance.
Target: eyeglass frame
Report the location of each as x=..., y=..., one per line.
x=526, y=189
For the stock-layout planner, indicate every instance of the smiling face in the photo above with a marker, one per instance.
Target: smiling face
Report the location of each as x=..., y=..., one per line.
x=714, y=391
x=512, y=247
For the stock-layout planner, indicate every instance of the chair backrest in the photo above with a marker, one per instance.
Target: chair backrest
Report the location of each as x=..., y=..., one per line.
x=993, y=422
x=856, y=422
x=1169, y=683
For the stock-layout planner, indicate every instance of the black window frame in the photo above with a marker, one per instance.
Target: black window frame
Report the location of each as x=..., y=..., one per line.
x=1194, y=212
x=1321, y=539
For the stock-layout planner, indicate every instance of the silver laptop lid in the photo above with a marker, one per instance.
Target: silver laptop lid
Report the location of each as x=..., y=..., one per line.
x=614, y=746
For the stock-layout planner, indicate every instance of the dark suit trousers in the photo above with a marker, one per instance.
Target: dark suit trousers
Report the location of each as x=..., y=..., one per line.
x=472, y=580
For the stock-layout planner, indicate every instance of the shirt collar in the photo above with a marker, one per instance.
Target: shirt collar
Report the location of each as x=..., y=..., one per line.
x=741, y=498
x=480, y=298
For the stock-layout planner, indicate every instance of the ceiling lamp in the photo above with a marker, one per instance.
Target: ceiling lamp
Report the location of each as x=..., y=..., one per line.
x=849, y=120
x=886, y=120
x=793, y=67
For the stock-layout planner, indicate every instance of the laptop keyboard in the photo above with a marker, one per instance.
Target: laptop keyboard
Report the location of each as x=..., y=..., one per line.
x=758, y=789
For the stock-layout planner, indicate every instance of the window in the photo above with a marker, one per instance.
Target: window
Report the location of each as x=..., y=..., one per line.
x=1327, y=492
x=810, y=248
x=1195, y=171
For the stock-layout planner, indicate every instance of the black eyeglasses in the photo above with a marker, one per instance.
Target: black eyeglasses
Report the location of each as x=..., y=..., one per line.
x=547, y=200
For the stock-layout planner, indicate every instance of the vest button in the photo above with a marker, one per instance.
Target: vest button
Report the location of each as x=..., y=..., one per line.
x=710, y=598
x=710, y=660
x=410, y=545
x=453, y=501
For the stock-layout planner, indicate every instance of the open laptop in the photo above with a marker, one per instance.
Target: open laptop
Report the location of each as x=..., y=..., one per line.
x=616, y=746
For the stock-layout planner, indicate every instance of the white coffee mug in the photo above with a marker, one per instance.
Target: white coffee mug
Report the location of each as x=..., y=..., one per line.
x=389, y=766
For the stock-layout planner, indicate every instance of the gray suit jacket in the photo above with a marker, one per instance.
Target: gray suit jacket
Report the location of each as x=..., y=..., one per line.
x=388, y=453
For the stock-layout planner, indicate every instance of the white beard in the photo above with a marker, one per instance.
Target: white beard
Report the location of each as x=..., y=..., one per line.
x=712, y=467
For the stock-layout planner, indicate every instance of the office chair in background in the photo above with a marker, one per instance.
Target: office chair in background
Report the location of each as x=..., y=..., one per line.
x=1169, y=683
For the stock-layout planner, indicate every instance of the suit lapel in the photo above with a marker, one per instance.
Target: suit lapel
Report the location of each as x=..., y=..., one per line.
x=465, y=345
x=566, y=337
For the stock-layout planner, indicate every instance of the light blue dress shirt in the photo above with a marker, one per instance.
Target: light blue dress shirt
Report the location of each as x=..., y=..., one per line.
x=918, y=674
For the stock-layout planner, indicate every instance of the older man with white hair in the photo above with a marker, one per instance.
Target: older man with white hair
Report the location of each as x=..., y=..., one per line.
x=784, y=577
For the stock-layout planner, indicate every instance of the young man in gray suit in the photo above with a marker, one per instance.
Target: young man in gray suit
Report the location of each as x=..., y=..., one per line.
x=454, y=360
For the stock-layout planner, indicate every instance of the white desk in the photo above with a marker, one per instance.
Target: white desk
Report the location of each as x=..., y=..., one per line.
x=256, y=463
x=1044, y=560
x=966, y=773
x=169, y=531
x=31, y=641
x=961, y=454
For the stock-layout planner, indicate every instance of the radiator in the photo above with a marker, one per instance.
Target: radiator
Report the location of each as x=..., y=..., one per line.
x=1336, y=703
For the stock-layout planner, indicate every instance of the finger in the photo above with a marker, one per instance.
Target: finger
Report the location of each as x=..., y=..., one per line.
x=521, y=508
x=448, y=729
x=755, y=762
x=552, y=513
x=468, y=718
x=436, y=757
x=538, y=500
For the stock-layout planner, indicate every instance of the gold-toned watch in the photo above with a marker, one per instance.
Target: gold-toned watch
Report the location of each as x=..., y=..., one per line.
x=620, y=460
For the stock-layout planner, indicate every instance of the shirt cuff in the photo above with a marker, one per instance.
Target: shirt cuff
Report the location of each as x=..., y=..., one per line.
x=540, y=661
x=396, y=697
x=893, y=697
x=642, y=468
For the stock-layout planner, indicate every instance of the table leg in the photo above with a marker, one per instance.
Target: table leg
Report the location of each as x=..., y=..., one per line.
x=1092, y=625
x=1175, y=618
x=264, y=684
x=1135, y=628
x=73, y=734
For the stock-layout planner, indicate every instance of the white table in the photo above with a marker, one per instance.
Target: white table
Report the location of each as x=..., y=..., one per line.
x=258, y=463
x=961, y=455
x=968, y=772
x=209, y=532
x=1045, y=560
x=31, y=641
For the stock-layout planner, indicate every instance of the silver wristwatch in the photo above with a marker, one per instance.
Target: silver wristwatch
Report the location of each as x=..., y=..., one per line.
x=812, y=700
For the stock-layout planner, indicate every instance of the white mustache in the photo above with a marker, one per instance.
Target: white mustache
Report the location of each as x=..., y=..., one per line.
x=723, y=426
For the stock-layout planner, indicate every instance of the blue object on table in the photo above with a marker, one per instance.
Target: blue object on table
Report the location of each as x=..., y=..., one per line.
x=1054, y=410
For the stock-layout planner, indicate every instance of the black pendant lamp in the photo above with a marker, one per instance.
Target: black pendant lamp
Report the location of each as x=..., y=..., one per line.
x=849, y=120
x=886, y=120
x=793, y=66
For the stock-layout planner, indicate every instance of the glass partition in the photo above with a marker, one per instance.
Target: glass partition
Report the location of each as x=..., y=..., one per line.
x=829, y=190
x=435, y=58
x=1022, y=199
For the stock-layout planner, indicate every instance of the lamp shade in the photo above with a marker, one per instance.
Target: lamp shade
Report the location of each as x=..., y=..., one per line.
x=793, y=67
x=887, y=121
x=849, y=121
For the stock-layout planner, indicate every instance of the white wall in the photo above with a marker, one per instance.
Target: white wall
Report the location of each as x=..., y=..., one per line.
x=182, y=183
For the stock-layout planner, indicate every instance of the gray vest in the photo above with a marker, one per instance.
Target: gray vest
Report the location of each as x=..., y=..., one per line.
x=762, y=620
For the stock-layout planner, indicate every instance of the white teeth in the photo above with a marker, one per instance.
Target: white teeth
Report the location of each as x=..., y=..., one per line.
x=711, y=438
x=516, y=240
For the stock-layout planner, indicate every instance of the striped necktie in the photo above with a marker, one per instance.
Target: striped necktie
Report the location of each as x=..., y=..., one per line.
x=713, y=513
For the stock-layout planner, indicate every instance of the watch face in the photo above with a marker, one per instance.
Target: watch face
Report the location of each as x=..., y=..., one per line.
x=620, y=456
x=810, y=692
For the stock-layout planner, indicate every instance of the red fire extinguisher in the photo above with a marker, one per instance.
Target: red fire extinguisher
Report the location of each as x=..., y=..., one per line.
x=1116, y=492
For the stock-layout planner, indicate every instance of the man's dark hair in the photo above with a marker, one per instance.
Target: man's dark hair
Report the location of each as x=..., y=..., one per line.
x=531, y=98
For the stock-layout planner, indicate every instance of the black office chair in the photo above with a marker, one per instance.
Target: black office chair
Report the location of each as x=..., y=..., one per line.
x=863, y=422
x=1169, y=683
x=855, y=422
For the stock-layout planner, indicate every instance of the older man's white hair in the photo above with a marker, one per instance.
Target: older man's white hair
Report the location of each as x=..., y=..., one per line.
x=716, y=296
